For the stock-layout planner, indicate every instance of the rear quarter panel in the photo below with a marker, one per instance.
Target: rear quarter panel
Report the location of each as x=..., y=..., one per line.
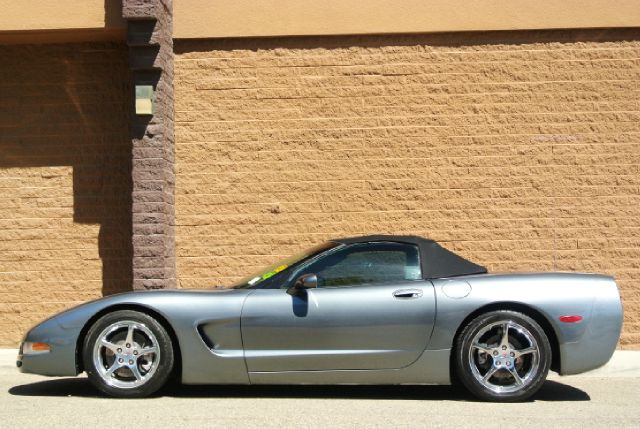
x=583, y=346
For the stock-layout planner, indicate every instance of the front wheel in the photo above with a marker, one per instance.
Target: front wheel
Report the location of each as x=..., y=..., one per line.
x=127, y=354
x=502, y=356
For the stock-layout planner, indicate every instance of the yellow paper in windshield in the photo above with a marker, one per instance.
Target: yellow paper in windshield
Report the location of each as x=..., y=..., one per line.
x=274, y=272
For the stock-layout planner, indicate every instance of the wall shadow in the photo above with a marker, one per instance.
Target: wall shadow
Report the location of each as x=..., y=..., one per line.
x=68, y=106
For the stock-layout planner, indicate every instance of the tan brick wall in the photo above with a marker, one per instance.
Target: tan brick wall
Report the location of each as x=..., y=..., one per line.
x=65, y=184
x=519, y=150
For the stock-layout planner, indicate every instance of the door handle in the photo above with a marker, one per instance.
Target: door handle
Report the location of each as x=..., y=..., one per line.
x=407, y=293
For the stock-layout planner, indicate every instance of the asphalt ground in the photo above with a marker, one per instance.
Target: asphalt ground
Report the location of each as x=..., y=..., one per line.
x=606, y=398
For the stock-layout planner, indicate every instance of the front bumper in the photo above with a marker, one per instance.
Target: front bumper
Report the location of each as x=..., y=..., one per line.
x=19, y=358
x=60, y=360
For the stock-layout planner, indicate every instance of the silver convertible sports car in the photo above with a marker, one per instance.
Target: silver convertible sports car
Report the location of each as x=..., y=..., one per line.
x=364, y=310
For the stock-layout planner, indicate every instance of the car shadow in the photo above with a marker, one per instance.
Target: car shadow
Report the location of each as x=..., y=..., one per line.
x=551, y=391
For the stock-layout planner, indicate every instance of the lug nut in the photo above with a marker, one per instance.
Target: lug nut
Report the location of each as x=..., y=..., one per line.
x=131, y=362
x=512, y=354
x=120, y=360
x=128, y=345
x=119, y=350
x=135, y=352
x=495, y=352
x=503, y=347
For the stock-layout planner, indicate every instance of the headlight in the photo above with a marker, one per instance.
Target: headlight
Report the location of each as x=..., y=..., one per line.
x=30, y=348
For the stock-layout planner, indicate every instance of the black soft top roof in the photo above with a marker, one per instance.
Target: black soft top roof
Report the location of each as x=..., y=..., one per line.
x=435, y=260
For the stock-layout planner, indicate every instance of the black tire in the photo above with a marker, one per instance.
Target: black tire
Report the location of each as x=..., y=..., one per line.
x=485, y=364
x=137, y=359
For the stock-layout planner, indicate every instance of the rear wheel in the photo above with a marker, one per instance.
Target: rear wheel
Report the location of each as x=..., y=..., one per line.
x=127, y=354
x=503, y=356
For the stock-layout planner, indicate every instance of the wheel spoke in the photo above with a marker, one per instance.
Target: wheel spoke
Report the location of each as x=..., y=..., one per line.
x=109, y=345
x=129, y=339
x=115, y=366
x=505, y=335
x=483, y=348
x=516, y=376
x=489, y=373
x=136, y=372
x=527, y=351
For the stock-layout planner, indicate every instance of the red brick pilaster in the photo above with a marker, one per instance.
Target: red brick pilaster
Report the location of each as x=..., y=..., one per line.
x=153, y=214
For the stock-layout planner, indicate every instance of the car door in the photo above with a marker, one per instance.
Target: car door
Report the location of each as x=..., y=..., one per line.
x=371, y=310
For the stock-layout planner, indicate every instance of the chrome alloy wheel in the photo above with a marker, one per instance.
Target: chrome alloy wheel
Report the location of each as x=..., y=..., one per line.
x=126, y=354
x=504, y=357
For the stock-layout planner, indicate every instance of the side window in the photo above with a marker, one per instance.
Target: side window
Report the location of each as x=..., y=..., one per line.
x=367, y=264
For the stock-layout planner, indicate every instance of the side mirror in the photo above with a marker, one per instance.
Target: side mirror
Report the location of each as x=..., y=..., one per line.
x=305, y=281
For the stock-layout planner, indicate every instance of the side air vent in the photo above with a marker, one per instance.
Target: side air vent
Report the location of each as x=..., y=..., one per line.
x=208, y=342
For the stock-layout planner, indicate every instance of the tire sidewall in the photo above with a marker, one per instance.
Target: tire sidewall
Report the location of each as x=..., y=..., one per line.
x=463, y=344
x=162, y=372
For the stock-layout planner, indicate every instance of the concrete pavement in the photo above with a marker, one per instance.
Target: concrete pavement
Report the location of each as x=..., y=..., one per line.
x=608, y=397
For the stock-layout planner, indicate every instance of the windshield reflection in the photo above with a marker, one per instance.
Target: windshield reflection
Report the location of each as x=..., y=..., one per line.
x=261, y=276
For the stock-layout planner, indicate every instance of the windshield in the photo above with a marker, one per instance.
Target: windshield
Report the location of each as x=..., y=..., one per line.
x=270, y=271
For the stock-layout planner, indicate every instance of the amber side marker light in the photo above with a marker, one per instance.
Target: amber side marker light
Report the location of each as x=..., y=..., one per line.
x=29, y=348
x=571, y=319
